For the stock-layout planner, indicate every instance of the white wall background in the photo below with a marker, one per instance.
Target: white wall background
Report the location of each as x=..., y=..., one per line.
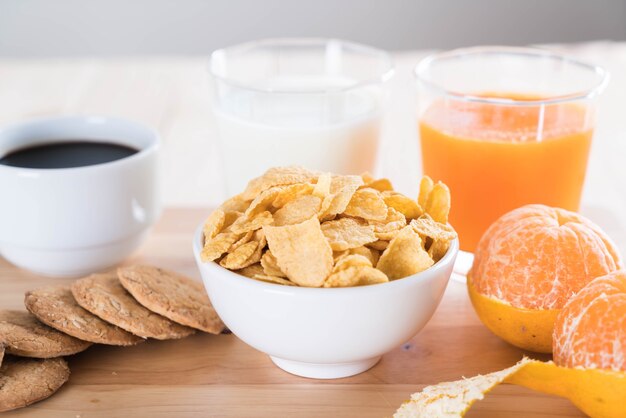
x=43, y=28
x=169, y=93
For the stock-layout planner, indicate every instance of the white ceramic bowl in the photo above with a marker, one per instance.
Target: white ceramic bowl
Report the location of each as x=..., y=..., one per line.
x=325, y=333
x=75, y=221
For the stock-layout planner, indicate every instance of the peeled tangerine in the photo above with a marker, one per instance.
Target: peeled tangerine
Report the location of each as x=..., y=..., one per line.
x=589, y=365
x=528, y=264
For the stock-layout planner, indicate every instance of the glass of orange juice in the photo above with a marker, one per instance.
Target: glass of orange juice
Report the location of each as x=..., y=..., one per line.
x=504, y=127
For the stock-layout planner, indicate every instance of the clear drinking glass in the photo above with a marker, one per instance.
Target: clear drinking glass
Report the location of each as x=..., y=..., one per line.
x=311, y=102
x=504, y=127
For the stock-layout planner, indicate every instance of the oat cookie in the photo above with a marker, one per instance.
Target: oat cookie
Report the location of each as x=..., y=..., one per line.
x=1, y=353
x=176, y=297
x=25, y=381
x=55, y=306
x=23, y=335
x=104, y=296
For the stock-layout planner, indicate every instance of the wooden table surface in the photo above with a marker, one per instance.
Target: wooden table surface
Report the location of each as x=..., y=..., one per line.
x=220, y=376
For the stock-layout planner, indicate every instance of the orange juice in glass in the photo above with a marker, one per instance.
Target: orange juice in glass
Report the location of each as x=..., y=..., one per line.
x=504, y=127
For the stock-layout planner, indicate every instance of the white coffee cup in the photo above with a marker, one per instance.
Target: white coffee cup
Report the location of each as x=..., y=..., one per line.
x=75, y=221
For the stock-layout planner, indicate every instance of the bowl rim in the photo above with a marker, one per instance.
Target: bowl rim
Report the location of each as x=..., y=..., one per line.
x=94, y=121
x=382, y=78
x=447, y=259
x=422, y=67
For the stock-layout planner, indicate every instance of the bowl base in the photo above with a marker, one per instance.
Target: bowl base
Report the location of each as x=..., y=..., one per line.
x=325, y=371
x=73, y=262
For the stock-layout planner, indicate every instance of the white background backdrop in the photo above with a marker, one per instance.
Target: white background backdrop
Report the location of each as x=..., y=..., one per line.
x=63, y=57
x=130, y=27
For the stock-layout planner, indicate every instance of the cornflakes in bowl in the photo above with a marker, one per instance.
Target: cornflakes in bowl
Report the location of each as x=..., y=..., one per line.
x=323, y=272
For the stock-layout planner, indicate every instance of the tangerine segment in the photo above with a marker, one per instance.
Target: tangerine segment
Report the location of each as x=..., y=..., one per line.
x=537, y=257
x=529, y=329
x=590, y=331
x=598, y=393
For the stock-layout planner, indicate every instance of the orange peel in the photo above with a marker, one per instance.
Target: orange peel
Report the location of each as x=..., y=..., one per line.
x=529, y=329
x=598, y=393
x=589, y=345
x=454, y=399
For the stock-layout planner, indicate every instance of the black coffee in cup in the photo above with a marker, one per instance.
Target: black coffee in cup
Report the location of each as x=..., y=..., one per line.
x=66, y=154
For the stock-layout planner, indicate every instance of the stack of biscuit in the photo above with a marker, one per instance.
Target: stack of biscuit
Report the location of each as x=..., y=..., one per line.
x=119, y=308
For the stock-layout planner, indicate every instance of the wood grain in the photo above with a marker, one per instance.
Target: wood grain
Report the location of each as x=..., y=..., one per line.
x=220, y=376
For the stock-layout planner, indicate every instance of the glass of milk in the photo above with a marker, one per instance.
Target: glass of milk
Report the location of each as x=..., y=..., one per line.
x=311, y=102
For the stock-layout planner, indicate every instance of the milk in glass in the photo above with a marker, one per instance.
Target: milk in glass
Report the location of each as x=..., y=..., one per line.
x=318, y=122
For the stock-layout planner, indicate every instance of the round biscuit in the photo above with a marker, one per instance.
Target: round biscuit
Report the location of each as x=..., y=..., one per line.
x=104, y=296
x=23, y=335
x=56, y=307
x=172, y=295
x=24, y=381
